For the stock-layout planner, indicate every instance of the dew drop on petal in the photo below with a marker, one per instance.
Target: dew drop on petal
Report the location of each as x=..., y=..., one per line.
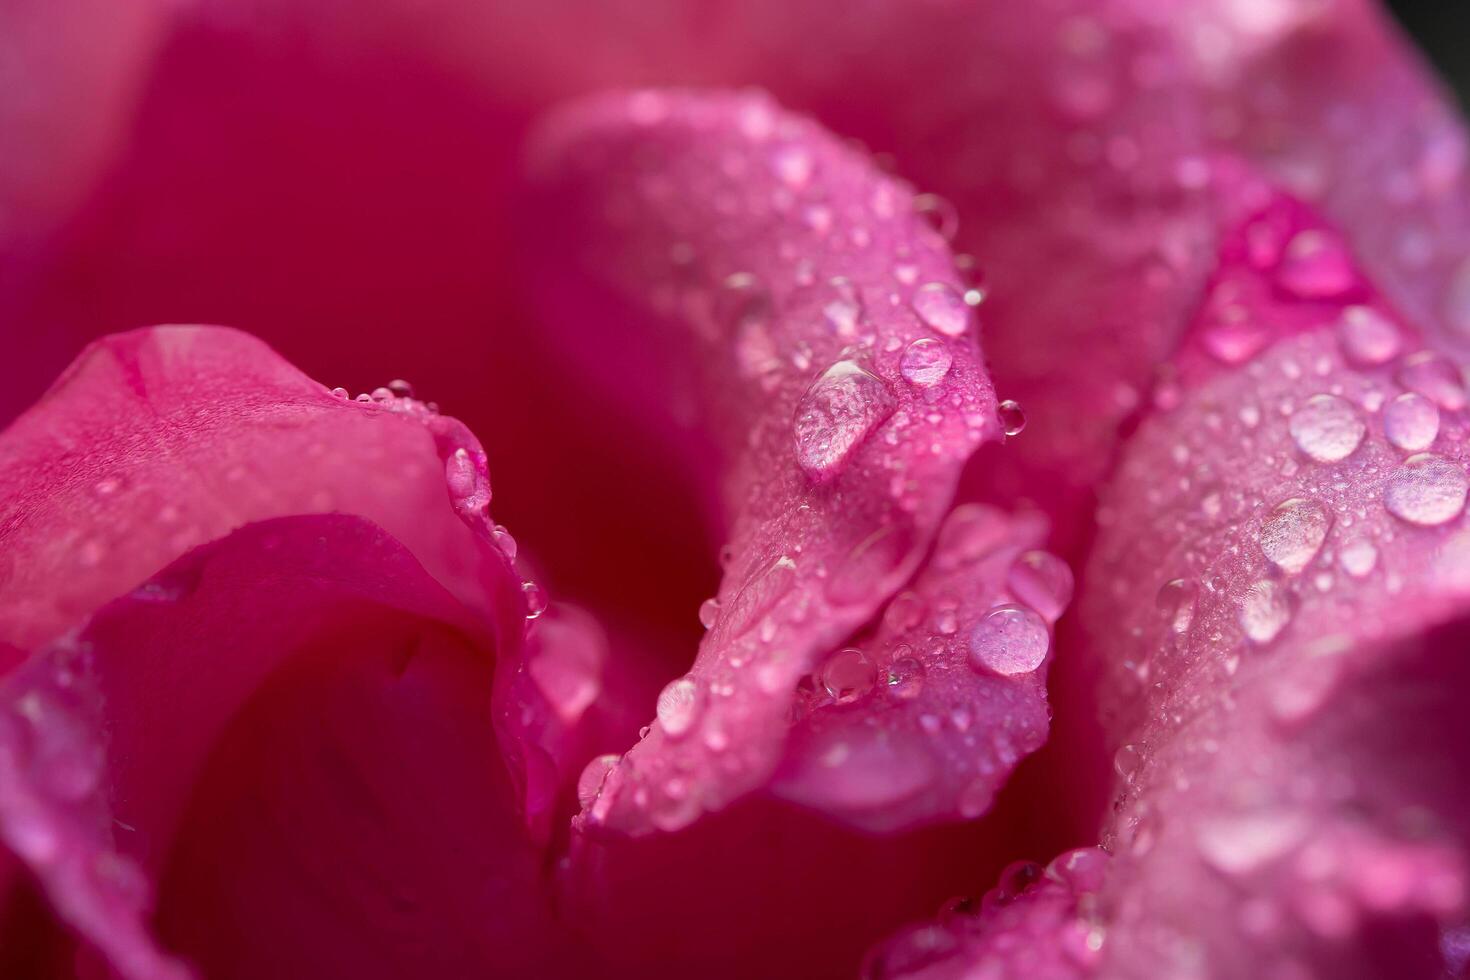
x=835, y=414
x=535, y=599
x=1411, y=422
x=940, y=213
x=925, y=362
x=1012, y=417
x=1316, y=265
x=1042, y=581
x=1009, y=640
x=1426, y=490
x=848, y=675
x=904, y=677
x=1176, y=601
x=1435, y=377
x=1293, y=533
x=1368, y=337
x=1358, y=557
x=1265, y=610
x=678, y=706
x=1327, y=428
x=589, y=784
x=942, y=309
x=709, y=611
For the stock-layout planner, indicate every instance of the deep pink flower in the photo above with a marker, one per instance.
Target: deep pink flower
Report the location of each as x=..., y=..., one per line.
x=762, y=673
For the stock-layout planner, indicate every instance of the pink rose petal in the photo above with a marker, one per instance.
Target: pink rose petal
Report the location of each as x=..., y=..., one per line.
x=190, y=433
x=763, y=251
x=1282, y=711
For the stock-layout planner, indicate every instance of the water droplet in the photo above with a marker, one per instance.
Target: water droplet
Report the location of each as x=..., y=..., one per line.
x=835, y=414
x=1128, y=761
x=1368, y=337
x=1012, y=417
x=940, y=214
x=925, y=362
x=1176, y=600
x=1042, y=581
x=678, y=706
x=848, y=675
x=459, y=474
x=504, y=541
x=1316, y=265
x=1265, y=610
x=793, y=164
x=904, y=678
x=1426, y=490
x=535, y=599
x=1293, y=533
x=709, y=611
x=1009, y=640
x=1435, y=377
x=340, y=393
x=1358, y=557
x=943, y=309
x=589, y=784
x=1411, y=422
x=1235, y=341
x=843, y=306
x=1239, y=845
x=904, y=613
x=1327, y=428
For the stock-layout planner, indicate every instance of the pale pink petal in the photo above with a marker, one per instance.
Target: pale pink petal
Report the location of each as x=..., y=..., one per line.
x=757, y=255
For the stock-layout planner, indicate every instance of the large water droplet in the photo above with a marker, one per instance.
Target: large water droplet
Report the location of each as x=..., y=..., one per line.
x=709, y=611
x=589, y=784
x=925, y=362
x=1368, y=337
x=1327, y=428
x=1427, y=490
x=942, y=308
x=1042, y=581
x=1316, y=265
x=678, y=706
x=1411, y=422
x=1435, y=377
x=835, y=414
x=1176, y=600
x=848, y=675
x=1293, y=533
x=1241, y=844
x=1012, y=417
x=1009, y=640
x=1265, y=610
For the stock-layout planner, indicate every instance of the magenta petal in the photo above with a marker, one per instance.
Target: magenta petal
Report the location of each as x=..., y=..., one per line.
x=1282, y=558
x=925, y=718
x=1335, y=104
x=325, y=776
x=158, y=440
x=760, y=254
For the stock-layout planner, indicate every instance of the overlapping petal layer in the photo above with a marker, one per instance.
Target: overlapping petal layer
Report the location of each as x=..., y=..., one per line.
x=1289, y=752
x=162, y=441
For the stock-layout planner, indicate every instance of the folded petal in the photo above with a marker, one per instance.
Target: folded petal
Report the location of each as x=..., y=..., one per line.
x=1278, y=606
x=1289, y=755
x=397, y=656
x=761, y=254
